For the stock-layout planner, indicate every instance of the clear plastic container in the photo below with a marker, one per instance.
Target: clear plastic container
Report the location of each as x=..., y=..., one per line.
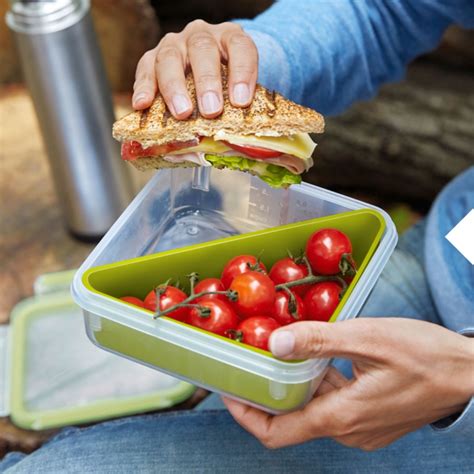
x=176, y=210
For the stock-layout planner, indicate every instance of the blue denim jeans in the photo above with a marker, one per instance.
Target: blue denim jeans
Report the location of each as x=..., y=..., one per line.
x=208, y=440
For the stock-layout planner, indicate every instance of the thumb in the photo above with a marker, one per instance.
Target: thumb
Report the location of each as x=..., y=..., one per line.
x=354, y=339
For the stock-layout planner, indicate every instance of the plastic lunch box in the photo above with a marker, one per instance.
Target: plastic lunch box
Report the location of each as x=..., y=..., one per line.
x=195, y=220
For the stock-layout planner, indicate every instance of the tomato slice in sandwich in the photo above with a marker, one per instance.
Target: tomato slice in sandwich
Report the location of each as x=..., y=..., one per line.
x=255, y=151
x=133, y=150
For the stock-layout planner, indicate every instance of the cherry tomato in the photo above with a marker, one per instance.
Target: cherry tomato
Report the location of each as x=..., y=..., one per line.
x=256, y=331
x=238, y=265
x=281, y=312
x=256, y=294
x=168, y=298
x=286, y=270
x=321, y=300
x=255, y=151
x=221, y=320
x=133, y=300
x=210, y=284
x=325, y=250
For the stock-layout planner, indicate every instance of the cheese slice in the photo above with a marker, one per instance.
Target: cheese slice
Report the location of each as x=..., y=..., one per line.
x=207, y=145
x=299, y=145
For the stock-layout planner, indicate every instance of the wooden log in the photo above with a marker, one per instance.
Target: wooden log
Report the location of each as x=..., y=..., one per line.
x=407, y=143
x=10, y=67
x=174, y=15
x=16, y=439
x=456, y=48
x=125, y=28
x=209, y=10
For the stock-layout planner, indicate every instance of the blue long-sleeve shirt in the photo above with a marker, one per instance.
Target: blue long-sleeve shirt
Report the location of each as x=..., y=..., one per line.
x=327, y=54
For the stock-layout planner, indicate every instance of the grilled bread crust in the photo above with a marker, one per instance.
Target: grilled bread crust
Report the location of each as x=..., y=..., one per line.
x=270, y=114
x=155, y=162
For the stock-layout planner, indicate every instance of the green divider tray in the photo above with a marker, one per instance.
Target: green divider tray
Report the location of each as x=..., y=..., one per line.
x=139, y=275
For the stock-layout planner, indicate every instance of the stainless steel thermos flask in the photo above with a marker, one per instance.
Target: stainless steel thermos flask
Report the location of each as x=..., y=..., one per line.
x=63, y=69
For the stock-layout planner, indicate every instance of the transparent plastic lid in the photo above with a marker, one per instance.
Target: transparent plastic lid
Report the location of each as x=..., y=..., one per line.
x=58, y=377
x=62, y=369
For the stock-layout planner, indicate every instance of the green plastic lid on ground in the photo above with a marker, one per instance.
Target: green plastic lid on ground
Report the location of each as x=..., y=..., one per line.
x=52, y=375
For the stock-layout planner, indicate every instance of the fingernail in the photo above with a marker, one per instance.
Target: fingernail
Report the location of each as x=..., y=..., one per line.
x=139, y=98
x=180, y=104
x=210, y=103
x=282, y=343
x=241, y=93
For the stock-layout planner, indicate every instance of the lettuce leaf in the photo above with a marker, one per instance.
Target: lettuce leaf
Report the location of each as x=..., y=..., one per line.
x=273, y=175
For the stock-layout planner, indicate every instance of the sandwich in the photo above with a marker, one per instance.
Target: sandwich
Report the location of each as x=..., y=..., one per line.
x=269, y=139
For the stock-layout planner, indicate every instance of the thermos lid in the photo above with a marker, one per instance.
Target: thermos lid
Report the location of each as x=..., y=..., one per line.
x=45, y=16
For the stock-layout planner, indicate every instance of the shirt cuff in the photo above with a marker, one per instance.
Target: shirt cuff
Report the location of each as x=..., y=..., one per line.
x=459, y=424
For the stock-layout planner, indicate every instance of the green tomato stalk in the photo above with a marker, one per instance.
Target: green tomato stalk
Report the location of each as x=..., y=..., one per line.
x=187, y=303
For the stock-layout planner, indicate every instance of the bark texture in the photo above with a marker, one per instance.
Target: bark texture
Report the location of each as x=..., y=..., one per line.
x=407, y=143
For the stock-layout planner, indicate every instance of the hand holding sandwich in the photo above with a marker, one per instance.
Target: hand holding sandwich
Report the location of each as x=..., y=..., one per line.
x=198, y=104
x=202, y=47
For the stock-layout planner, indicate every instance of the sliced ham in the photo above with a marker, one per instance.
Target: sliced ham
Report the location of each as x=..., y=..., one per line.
x=291, y=163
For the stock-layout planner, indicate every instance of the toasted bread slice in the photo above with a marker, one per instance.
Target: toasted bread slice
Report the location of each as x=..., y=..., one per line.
x=157, y=163
x=269, y=114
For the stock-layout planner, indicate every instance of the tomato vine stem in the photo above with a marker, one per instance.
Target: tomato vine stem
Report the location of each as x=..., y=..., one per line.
x=233, y=295
x=311, y=279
